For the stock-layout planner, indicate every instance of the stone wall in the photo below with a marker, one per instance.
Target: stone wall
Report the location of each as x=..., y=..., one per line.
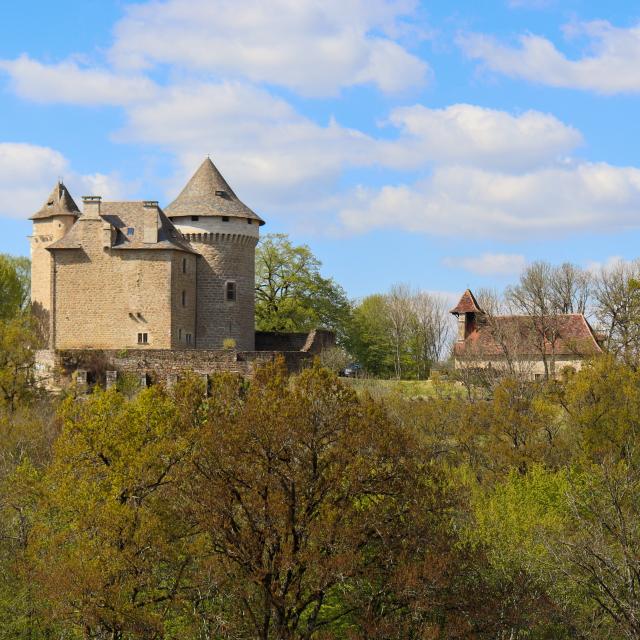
x=57, y=369
x=313, y=342
x=104, y=297
x=225, y=258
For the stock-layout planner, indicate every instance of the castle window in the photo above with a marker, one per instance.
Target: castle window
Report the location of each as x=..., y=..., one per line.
x=130, y=231
x=188, y=337
x=230, y=291
x=179, y=335
x=225, y=218
x=195, y=218
x=143, y=338
x=184, y=265
x=184, y=298
x=249, y=221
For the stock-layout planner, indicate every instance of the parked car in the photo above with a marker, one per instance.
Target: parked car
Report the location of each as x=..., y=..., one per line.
x=352, y=370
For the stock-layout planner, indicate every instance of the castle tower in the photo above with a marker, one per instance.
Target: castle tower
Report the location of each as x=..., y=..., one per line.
x=224, y=231
x=57, y=215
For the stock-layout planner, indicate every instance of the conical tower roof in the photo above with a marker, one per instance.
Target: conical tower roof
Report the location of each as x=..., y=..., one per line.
x=208, y=194
x=467, y=304
x=59, y=203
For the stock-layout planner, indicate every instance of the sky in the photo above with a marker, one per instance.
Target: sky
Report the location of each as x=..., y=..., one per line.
x=440, y=144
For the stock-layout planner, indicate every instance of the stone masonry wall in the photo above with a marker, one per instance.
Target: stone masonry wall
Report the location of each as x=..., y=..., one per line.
x=103, y=298
x=225, y=258
x=56, y=368
x=183, y=278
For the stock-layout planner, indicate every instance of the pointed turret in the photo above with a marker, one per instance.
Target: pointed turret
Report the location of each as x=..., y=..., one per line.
x=59, y=203
x=467, y=304
x=208, y=194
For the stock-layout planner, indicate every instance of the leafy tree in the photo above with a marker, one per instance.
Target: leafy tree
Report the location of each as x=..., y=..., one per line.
x=370, y=336
x=291, y=293
x=14, y=285
x=110, y=552
x=18, y=342
x=401, y=333
x=304, y=492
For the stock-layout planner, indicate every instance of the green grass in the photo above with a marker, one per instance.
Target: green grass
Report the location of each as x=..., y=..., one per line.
x=405, y=388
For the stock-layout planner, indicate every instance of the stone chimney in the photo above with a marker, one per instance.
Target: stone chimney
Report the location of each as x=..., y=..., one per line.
x=91, y=208
x=150, y=222
x=108, y=235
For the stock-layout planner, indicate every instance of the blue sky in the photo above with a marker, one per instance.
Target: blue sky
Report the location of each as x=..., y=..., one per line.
x=439, y=144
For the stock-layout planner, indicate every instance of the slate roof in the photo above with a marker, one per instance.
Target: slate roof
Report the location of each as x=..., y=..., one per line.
x=573, y=337
x=467, y=304
x=208, y=194
x=125, y=215
x=58, y=203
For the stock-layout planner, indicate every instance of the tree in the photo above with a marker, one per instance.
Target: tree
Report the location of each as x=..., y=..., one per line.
x=14, y=285
x=401, y=333
x=291, y=293
x=18, y=342
x=109, y=549
x=304, y=492
x=370, y=336
x=617, y=308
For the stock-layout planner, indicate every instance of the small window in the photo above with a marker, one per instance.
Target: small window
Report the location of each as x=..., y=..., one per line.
x=143, y=338
x=179, y=335
x=225, y=218
x=195, y=218
x=129, y=231
x=230, y=293
x=188, y=337
x=184, y=298
x=184, y=265
x=249, y=221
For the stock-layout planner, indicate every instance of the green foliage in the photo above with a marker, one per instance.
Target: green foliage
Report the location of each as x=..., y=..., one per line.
x=18, y=342
x=305, y=508
x=521, y=512
x=369, y=337
x=291, y=293
x=14, y=285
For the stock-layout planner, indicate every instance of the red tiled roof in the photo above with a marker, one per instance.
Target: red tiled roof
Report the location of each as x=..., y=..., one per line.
x=467, y=304
x=567, y=335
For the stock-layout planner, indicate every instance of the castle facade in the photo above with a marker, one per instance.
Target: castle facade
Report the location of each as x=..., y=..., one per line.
x=131, y=276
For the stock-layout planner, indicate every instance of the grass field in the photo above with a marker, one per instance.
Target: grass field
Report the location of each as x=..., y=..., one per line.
x=406, y=388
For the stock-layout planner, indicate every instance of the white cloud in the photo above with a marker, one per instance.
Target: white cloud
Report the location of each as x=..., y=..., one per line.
x=29, y=172
x=262, y=145
x=489, y=264
x=612, y=262
x=311, y=47
x=474, y=203
x=69, y=83
x=472, y=135
x=611, y=65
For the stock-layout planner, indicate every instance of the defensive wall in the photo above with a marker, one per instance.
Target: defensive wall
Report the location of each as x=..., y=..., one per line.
x=57, y=369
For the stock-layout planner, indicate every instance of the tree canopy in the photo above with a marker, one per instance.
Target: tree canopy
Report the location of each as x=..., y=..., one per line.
x=291, y=293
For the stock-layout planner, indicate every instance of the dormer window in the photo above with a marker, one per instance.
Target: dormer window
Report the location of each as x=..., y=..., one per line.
x=130, y=231
x=221, y=193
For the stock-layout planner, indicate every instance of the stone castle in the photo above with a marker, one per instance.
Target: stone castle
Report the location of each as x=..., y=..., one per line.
x=131, y=279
